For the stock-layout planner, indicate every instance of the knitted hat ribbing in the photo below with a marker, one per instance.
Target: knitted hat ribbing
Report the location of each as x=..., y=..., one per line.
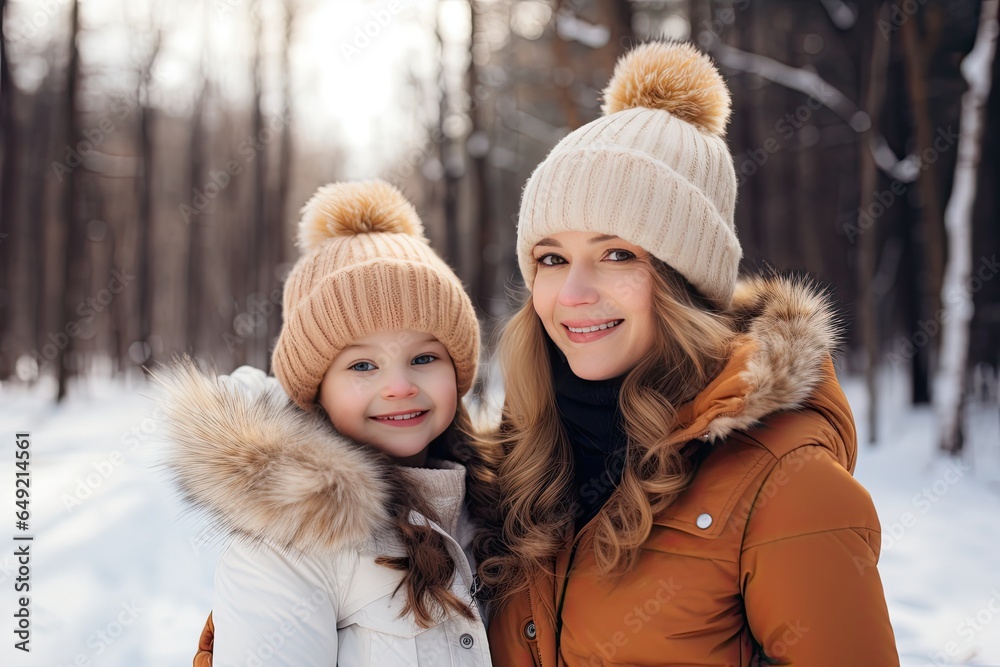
x=366, y=267
x=655, y=170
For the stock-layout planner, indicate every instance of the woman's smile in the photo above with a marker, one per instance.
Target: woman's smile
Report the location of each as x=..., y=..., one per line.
x=587, y=332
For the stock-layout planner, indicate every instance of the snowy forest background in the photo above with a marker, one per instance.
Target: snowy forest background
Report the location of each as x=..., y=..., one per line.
x=154, y=157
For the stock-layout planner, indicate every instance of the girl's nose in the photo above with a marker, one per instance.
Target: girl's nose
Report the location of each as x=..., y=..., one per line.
x=399, y=385
x=579, y=288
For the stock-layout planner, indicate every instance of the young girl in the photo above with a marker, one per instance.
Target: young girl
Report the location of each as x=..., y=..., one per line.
x=676, y=488
x=349, y=503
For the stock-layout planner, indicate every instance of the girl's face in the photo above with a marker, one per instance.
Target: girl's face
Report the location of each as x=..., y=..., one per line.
x=392, y=390
x=594, y=296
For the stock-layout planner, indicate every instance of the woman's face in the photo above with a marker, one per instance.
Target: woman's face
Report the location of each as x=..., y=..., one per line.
x=594, y=296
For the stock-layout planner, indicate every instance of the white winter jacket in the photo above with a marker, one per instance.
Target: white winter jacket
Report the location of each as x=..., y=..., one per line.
x=298, y=585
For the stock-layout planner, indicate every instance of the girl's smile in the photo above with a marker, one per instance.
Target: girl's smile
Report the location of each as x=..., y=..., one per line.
x=402, y=419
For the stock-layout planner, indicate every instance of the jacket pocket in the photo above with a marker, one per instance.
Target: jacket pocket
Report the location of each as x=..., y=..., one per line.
x=377, y=634
x=717, y=503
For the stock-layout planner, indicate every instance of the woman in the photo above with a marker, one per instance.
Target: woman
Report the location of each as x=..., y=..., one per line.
x=676, y=488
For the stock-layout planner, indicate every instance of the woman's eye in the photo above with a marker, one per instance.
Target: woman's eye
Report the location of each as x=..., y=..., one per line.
x=363, y=366
x=423, y=359
x=620, y=255
x=550, y=260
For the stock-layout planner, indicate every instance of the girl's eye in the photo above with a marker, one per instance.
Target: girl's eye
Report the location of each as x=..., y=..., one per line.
x=620, y=255
x=550, y=260
x=363, y=366
x=423, y=359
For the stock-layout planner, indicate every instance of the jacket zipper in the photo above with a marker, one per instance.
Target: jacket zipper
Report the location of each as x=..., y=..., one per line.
x=531, y=605
x=562, y=599
x=562, y=596
x=569, y=569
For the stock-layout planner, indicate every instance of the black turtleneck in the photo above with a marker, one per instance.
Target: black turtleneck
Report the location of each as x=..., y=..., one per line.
x=591, y=416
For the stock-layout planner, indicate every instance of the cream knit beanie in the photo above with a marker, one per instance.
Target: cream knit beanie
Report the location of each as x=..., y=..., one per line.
x=655, y=170
x=366, y=267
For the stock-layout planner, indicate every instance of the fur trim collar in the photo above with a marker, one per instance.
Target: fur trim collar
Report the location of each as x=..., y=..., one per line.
x=787, y=330
x=261, y=468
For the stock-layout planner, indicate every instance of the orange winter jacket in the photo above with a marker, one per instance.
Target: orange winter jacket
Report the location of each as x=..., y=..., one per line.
x=769, y=557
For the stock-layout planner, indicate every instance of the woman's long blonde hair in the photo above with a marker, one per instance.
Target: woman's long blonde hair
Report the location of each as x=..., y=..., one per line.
x=537, y=504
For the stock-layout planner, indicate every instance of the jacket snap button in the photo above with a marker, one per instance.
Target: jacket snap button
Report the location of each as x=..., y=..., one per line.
x=529, y=630
x=704, y=521
x=466, y=640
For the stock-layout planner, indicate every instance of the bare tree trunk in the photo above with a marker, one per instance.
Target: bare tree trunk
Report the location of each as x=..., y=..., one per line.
x=867, y=316
x=196, y=174
x=956, y=294
x=931, y=224
x=259, y=196
x=560, y=50
x=908, y=288
x=144, y=217
x=276, y=221
x=910, y=300
x=452, y=252
x=767, y=103
x=119, y=317
x=809, y=241
x=487, y=253
x=699, y=16
x=8, y=208
x=757, y=124
x=69, y=293
x=617, y=15
x=44, y=134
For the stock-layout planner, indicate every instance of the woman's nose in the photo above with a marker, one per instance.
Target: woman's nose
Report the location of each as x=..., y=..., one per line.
x=579, y=288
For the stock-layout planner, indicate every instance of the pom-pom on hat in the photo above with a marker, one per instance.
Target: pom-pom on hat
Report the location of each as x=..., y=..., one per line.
x=654, y=170
x=366, y=266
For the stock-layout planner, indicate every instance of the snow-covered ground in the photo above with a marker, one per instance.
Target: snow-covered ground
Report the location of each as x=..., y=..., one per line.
x=120, y=576
x=940, y=561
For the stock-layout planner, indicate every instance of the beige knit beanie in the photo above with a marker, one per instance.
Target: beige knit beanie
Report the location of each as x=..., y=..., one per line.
x=366, y=267
x=655, y=170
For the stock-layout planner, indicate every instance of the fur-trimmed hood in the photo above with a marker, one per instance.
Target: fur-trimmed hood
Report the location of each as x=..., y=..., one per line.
x=780, y=360
x=790, y=331
x=261, y=468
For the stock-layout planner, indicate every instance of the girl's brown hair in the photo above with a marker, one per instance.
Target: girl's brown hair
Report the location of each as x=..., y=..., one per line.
x=428, y=567
x=536, y=506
